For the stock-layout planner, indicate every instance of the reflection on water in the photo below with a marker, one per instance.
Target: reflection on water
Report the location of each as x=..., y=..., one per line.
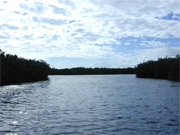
x=91, y=104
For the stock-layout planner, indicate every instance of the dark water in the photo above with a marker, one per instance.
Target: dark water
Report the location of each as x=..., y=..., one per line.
x=91, y=104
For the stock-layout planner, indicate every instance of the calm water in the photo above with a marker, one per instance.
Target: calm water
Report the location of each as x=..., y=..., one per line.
x=91, y=104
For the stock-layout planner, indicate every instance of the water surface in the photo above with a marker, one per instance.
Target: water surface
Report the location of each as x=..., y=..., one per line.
x=91, y=104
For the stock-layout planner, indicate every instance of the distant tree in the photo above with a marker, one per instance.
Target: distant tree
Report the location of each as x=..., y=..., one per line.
x=88, y=71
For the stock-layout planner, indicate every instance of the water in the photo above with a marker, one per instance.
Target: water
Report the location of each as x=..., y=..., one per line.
x=91, y=104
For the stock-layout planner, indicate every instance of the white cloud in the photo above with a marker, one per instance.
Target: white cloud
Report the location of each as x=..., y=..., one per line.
x=147, y=54
x=7, y=26
x=127, y=43
x=134, y=40
x=153, y=44
x=49, y=21
x=83, y=29
x=4, y=37
x=176, y=17
x=137, y=56
x=36, y=7
x=57, y=10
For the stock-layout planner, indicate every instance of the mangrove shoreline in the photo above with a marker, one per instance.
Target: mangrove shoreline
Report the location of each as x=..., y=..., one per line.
x=17, y=70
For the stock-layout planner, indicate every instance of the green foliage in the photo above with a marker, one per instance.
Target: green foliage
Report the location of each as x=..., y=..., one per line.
x=16, y=70
x=90, y=71
x=163, y=68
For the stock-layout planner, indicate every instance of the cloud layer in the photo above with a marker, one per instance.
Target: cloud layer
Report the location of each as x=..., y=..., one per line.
x=91, y=29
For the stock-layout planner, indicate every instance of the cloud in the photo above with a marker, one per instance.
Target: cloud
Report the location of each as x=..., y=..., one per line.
x=55, y=37
x=7, y=26
x=91, y=29
x=57, y=10
x=28, y=37
x=127, y=43
x=69, y=3
x=4, y=37
x=134, y=40
x=176, y=17
x=36, y=7
x=49, y=21
x=147, y=54
x=137, y=56
x=153, y=44
x=79, y=30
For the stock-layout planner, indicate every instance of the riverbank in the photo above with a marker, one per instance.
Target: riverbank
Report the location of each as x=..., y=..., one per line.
x=163, y=68
x=16, y=70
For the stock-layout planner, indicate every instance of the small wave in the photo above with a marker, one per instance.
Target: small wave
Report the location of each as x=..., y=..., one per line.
x=7, y=131
x=152, y=122
x=124, y=128
x=178, y=86
x=170, y=124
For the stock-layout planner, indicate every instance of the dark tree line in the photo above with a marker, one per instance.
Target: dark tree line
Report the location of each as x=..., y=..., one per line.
x=90, y=71
x=163, y=68
x=16, y=70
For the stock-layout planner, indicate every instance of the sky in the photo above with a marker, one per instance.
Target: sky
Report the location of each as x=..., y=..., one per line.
x=90, y=33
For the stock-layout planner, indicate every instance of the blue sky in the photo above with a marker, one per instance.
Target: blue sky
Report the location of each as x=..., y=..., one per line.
x=90, y=33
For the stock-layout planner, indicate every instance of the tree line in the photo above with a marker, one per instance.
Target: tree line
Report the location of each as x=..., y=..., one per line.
x=91, y=71
x=163, y=68
x=16, y=70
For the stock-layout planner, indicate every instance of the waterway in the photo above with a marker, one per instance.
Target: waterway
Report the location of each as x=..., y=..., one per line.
x=91, y=104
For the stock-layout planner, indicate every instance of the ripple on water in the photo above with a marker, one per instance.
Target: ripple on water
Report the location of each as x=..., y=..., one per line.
x=113, y=104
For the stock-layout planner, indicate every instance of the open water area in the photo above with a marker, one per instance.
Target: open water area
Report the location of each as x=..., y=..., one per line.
x=90, y=104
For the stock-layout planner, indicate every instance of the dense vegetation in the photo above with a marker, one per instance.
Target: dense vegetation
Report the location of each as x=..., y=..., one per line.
x=16, y=70
x=163, y=68
x=90, y=71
